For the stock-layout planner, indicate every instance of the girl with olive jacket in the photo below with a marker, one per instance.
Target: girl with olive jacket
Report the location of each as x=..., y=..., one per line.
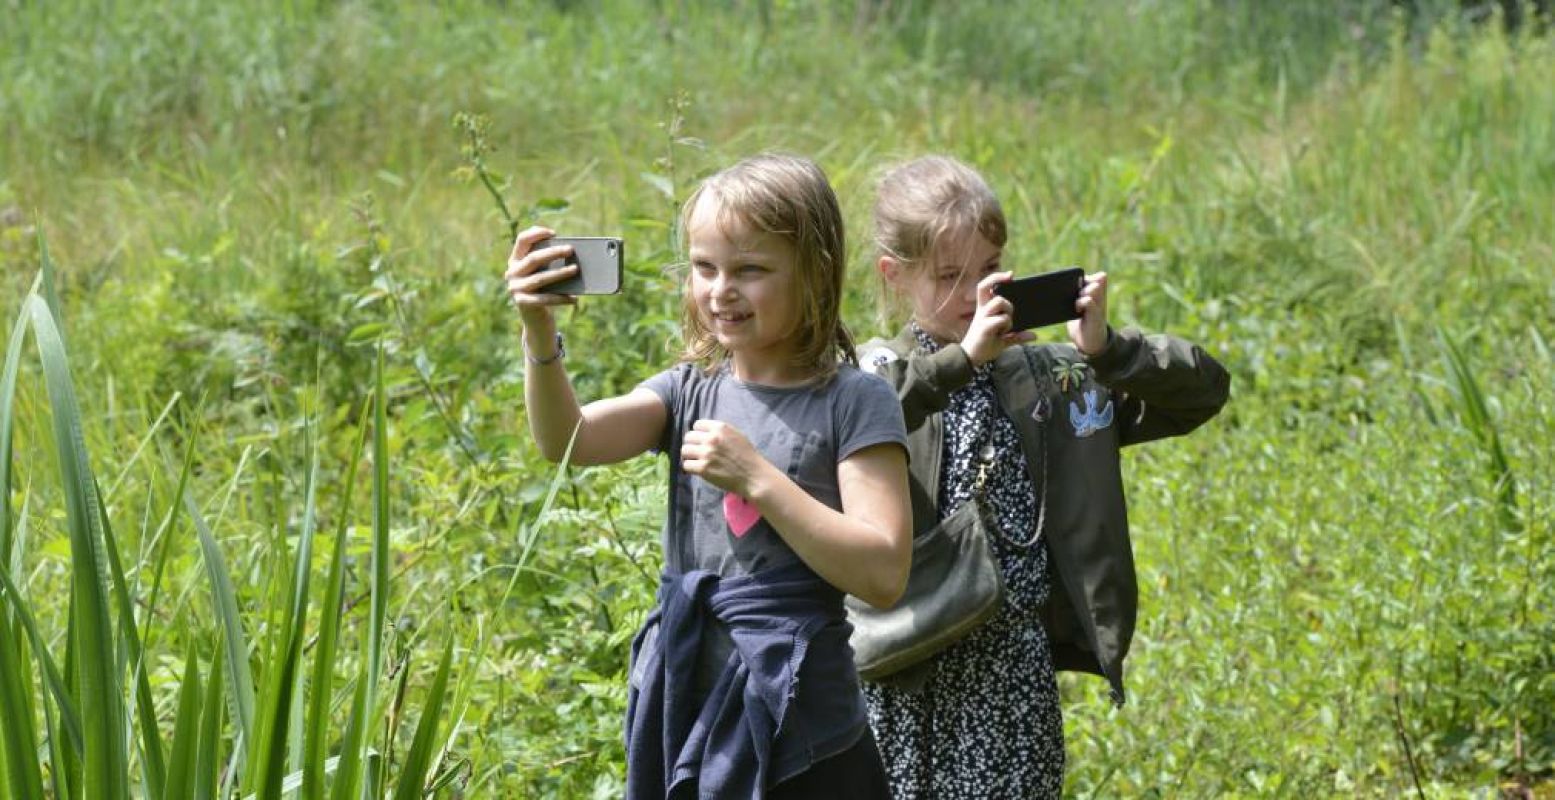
x=982, y=718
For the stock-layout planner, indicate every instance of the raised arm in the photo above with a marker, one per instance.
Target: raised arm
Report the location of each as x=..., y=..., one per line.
x=1171, y=385
x=925, y=381
x=609, y=430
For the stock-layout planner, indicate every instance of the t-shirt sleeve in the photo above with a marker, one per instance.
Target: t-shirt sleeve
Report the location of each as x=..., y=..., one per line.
x=667, y=386
x=868, y=413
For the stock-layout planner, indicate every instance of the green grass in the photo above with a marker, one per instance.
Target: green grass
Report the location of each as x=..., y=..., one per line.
x=1345, y=578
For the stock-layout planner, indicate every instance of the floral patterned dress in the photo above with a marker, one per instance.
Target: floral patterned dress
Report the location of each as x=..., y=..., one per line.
x=988, y=722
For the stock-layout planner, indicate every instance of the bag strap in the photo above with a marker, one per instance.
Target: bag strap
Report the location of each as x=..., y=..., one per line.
x=1042, y=470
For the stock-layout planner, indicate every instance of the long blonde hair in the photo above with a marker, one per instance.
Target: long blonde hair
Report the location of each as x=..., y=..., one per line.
x=786, y=196
x=919, y=204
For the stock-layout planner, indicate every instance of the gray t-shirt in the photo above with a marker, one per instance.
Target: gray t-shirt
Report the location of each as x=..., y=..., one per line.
x=804, y=431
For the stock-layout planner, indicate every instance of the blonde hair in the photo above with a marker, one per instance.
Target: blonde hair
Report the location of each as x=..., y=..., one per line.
x=924, y=202
x=786, y=196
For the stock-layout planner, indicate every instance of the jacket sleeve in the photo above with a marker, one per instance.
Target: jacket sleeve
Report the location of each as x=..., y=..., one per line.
x=1168, y=386
x=923, y=381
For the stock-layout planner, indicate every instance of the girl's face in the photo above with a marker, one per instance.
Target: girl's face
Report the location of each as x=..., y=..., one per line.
x=743, y=284
x=943, y=290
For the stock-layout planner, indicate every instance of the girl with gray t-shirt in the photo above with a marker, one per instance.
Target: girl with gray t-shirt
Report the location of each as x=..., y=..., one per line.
x=788, y=488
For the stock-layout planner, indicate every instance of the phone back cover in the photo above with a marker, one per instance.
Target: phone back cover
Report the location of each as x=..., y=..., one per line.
x=1046, y=300
x=601, y=259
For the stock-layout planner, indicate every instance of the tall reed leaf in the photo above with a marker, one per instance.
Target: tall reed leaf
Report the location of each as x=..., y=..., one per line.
x=268, y=765
x=22, y=775
x=1476, y=412
x=378, y=619
x=53, y=677
x=234, y=642
x=329, y=636
x=529, y=535
x=354, y=746
x=16, y=716
x=186, y=729
x=413, y=776
x=349, y=774
x=207, y=762
x=152, y=757
x=13, y=361
x=105, y=763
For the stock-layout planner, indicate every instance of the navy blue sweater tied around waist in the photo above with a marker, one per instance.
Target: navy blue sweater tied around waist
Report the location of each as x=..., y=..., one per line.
x=785, y=623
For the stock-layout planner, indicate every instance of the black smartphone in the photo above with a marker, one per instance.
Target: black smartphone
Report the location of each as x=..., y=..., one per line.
x=599, y=261
x=1043, y=299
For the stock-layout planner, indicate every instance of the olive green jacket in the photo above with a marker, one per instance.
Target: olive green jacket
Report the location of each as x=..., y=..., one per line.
x=1073, y=415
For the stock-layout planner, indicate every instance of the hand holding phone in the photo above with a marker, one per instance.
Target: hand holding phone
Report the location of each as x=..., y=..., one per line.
x=598, y=259
x=1090, y=332
x=1046, y=299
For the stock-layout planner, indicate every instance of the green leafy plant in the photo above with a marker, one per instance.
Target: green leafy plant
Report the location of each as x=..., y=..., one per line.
x=274, y=745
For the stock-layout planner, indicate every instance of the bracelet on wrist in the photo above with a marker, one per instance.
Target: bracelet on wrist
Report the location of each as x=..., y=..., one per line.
x=561, y=350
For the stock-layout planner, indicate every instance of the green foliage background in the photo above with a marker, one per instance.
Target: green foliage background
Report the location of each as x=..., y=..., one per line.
x=1346, y=578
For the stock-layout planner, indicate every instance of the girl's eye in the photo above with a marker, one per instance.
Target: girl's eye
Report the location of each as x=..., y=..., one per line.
x=751, y=269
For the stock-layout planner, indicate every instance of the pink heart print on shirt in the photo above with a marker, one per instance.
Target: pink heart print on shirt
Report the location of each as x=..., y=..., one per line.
x=740, y=514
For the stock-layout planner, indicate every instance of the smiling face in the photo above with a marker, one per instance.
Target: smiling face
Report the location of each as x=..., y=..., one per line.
x=943, y=289
x=742, y=285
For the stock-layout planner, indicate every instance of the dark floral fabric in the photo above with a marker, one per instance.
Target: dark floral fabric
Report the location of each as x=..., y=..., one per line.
x=988, y=722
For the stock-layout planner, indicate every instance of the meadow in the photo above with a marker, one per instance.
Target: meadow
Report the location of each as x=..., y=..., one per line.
x=273, y=525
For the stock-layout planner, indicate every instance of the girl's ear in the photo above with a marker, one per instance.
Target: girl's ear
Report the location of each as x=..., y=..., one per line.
x=890, y=271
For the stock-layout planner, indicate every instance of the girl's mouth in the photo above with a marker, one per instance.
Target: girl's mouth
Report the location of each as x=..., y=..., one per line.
x=730, y=317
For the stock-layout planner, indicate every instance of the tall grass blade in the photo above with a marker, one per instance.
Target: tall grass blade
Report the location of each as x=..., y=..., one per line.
x=153, y=759
x=329, y=635
x=348, y=775
x=53, y=678
x=145, y=440
x=186, y=730
x=106, y=764
x=269, y=763
x=17, y=728
x=207, y=763
x=71, y=760
x=1476, y=412
x=528, y=536
x=13, y=360
x=301, y=576
x=380, y=546
x=413, y=776
x=234, y=642
x=1407, y=355
x=46, y=279
x=531, y=532
x=22, y=774
x=379, y=613
x=59, y=763
x=162, y=531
